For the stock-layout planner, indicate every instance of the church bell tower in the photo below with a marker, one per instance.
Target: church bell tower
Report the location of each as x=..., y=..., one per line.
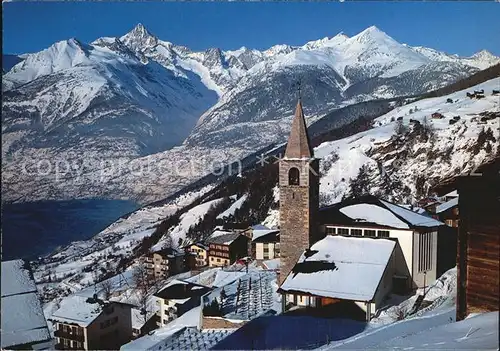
x=299, y=195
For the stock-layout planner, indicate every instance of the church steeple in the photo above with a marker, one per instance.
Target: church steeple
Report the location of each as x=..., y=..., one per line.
x=299, y=196
x=298, y=145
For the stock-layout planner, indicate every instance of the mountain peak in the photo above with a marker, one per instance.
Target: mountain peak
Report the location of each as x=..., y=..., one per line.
x=139, y=38
x=484, y=55
x=372, y=33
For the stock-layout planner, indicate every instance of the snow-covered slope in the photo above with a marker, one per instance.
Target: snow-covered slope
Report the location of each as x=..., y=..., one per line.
x=100, y=111
x=404, y=166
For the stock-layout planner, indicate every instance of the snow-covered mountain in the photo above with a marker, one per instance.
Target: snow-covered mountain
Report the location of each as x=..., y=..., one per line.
x=129, y=100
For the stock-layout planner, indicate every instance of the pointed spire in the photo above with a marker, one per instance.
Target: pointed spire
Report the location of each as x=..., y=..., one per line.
x=298, y=142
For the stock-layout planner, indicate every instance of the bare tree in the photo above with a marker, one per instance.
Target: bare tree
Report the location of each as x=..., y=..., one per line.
x=107, y=288
x=140, y=278
x=400, y=128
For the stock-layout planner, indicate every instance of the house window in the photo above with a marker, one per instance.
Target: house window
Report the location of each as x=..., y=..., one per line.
x=425, y=252
x=218, y=260
x=293, y=176
x=330, y=231
x=165, y=321
x=383, y=233
x=343, y=231
x=356, y=232
x=369, y=232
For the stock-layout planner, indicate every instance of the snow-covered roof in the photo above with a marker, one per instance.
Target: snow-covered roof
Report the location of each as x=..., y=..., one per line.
x=180, y=291
x=373, y=214
x=261, y=231
x=80, y=309
x=188, y=319
x=223, y=278
x=372, y=211
x=272, y=264
x=22, y=319
x=76, y=309
x=453, y=193
x=412, y=218
x=447, y=205
x=265, y=236
x=341, y=267
x=222, y=237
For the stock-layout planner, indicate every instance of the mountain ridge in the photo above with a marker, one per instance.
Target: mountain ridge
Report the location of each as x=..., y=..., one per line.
x=138, y=98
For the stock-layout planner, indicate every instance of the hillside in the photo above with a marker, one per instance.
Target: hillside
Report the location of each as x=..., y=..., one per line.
x=398, y=160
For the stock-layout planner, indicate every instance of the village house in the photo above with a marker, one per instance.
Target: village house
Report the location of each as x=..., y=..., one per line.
x=478, y=257
x=226, y=247
x=344, y=274
x=83, y=323
x=23, y=323
x=369, y=216
x=266, y=244
x=200, y=251
x=163, y=263
x=176, y=298
x=437, y=115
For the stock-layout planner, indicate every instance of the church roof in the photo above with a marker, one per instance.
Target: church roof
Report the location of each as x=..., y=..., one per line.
x=341, y=268
x=298, y=145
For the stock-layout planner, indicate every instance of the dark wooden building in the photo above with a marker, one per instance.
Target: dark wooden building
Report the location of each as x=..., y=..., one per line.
x=478, y=256
x=226, y=247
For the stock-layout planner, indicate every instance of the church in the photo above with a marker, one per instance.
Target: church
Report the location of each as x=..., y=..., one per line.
x=349, y=256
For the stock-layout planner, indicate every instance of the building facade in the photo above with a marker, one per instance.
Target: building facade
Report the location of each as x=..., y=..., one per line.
x=161, y=264
x=299, y=195
x=92, y=325
x=267, y=247
x=177, y=298
x=416, y=234
x=224, y=248
x=201, y=253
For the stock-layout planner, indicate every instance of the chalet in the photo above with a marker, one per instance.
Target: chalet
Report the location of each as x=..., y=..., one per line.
x=495, y=92
x=23, y=324
x=372, y=217
x=337, y=269
x=471, y=95
x=176, y=298
x=163, y=263
x=399, y=118
x=449, y=101
x=452, y=121
x=437, y=115
x=200, y=251
x=83, y=323
x=266, y=244
x=479, y=96
x=478, y=257
x=479, y=91
x=226, y=247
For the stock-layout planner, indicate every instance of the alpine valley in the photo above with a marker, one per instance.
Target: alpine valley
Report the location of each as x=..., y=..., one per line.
x=116, y=118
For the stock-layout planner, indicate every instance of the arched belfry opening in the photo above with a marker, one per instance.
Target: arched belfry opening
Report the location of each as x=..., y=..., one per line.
x=294, y=176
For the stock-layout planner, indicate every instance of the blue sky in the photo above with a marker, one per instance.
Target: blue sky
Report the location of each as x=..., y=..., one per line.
x=455, y=27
